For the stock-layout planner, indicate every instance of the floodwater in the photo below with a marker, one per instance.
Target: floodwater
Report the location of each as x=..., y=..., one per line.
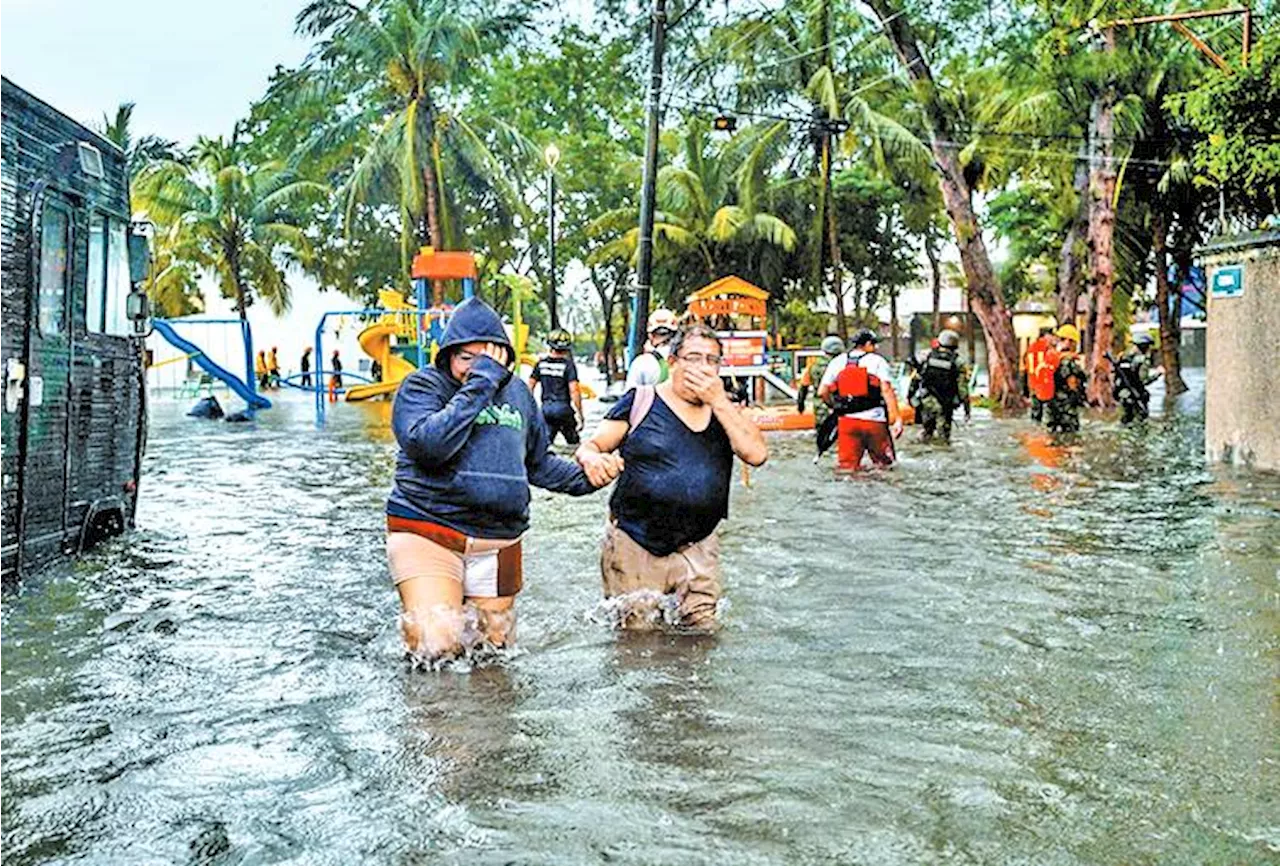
x=1006, y=652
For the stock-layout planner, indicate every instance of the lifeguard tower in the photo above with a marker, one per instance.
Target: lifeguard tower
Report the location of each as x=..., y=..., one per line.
x=738, y=311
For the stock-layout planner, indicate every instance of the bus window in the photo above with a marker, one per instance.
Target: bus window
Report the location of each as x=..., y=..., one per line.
x=95, y=300
x=116, y=320
x=54, y=228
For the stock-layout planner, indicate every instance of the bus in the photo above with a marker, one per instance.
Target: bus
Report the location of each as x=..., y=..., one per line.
x=72, y=325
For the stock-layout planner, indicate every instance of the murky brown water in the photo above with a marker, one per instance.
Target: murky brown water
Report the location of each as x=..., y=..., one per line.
x=1002, y=653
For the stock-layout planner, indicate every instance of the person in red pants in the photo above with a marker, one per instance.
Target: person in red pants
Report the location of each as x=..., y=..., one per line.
x=858, y=386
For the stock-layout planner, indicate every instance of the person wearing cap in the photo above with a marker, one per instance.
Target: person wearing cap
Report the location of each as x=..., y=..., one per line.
x=832, y=347
x=944, y=386
x=650, y=366
x=561, y=394
x=858, y=384
x=1133, y=374
x=471, y=442
x=1062, y=411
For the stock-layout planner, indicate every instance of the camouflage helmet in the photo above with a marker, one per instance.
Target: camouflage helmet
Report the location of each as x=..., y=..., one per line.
x=948, y=339
x=832, y=346
x=559, y=339
x=1143, y=340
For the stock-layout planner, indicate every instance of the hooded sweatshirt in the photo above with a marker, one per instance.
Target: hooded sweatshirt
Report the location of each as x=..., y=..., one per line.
x=469, y=450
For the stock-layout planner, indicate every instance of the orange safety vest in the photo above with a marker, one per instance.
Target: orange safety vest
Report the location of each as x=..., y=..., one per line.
x=1041, y=363
x=856, y=389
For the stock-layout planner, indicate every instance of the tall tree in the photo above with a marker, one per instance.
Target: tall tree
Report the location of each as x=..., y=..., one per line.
x=408, y=61
x=957, y=195
x=234, y=220
x=174, y=287
x=138, y=152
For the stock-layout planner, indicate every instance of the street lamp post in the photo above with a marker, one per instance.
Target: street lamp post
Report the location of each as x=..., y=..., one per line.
x=552, y=156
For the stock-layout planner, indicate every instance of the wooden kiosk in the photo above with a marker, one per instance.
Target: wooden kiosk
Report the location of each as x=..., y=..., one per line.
x=738, y=311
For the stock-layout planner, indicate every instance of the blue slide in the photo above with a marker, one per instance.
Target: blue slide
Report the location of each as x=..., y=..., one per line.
x=254, y=401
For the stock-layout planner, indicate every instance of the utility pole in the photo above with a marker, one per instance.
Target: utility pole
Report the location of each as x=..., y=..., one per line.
x=551, y=230
x=551, y=154
x=649, y=186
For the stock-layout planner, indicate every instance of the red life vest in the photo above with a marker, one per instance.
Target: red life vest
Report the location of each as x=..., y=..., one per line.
x=1041, y=363
x=856, y=389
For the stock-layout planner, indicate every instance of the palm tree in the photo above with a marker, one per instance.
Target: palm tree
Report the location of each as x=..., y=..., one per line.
x=787, y=60
x=138, y=154
x=174, y=289
x=399, y=64
x=957, y=186
x=707, y=202
x=237, y=221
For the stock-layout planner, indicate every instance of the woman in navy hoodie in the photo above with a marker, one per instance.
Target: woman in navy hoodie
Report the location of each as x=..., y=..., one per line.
x=471, y=442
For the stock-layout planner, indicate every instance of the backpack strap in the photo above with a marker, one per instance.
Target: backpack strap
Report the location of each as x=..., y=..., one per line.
x=641, y=403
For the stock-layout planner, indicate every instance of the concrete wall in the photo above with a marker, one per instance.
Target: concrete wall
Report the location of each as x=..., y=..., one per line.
x=1242, y=354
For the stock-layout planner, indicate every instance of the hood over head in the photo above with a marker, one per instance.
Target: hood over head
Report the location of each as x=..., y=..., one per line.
x=473, y=321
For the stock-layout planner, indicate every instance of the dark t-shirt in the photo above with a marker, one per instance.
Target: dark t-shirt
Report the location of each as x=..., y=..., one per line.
x=555, y=374
x=675, y=487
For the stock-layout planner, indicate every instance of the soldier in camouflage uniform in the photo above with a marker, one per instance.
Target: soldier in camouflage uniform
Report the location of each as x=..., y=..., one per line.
x=831, y=347
x=1062, y=413
x=1132, y=376
x=943, y=386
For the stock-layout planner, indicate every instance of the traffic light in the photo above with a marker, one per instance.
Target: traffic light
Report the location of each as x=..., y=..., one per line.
x=725, y=123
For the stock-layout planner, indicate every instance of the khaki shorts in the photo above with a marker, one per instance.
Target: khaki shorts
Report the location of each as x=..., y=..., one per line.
x=692, y=574
x=486, y=568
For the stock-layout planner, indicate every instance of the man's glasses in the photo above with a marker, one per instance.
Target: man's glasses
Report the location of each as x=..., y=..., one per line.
x=701, y=358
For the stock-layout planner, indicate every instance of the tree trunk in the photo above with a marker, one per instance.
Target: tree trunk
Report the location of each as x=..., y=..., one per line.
x=1169, y=338
x=1070, y=264
x=985, y=295
x=1102, y=222
x=435, y=236
x=626, y=322
x=833, y=241
x=935, y=275
x=608, y=300
x=893, y=322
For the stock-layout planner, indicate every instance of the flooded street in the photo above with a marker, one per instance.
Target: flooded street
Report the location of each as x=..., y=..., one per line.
x=1005, y=652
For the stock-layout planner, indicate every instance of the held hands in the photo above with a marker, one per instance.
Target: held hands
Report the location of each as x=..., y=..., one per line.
x=600, y=469
x=707, y=387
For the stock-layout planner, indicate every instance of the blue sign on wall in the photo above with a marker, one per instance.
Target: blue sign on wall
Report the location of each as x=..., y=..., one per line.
x=1228, y=282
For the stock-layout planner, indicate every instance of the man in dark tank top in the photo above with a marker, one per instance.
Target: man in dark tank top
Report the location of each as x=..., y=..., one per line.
x=677, y=442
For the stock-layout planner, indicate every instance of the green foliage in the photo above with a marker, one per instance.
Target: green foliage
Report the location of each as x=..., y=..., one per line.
x=1238, y=113
x=216, y=212
x=1024, y=217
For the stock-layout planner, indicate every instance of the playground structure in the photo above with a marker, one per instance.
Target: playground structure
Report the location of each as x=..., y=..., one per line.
x=376, y=341
x=244, y=388
x=401, y=338
x=738, y=311
x=417, y=329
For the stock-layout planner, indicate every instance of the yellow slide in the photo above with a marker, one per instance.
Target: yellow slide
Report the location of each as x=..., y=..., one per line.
x=375, y=340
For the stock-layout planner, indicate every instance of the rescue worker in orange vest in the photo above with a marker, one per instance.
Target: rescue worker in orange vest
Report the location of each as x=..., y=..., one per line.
x=1038, y=367
x=261, y=371
x=858, y=386
x=1062, y=412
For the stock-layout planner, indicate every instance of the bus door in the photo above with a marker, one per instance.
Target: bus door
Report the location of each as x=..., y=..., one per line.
x=47, y=410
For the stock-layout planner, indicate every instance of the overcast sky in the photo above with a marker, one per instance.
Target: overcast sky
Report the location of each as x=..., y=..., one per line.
x=192, y=68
